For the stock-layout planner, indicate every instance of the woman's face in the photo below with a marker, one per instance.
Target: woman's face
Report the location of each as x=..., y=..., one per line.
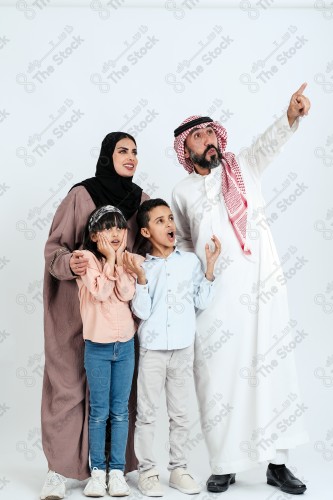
x=125, y=157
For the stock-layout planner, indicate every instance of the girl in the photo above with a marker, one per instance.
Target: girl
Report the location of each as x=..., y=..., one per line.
x=108, y=329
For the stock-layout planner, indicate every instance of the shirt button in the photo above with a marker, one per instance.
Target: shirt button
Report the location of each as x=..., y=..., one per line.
x=168, y=325
x=168, y=274
x=169, y=307
x=169, y=290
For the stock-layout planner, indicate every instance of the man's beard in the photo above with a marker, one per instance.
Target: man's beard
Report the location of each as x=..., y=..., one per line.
x=215, y=160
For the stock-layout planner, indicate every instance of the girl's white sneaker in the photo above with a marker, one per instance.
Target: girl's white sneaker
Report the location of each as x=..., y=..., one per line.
x=117, y=484
x=54, y=486
x=96, y=486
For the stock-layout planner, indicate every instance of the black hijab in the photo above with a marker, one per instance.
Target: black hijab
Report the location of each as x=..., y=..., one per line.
x=108, y=187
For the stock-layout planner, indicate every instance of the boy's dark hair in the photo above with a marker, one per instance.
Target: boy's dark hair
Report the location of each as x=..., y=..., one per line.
x=107, y=221
x=142, y=217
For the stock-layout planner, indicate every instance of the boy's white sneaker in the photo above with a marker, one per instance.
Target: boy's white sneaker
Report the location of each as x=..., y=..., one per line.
x=149, y=483
x=182, y=480
x=96, y=486
x=54, y=487
x=117, y=484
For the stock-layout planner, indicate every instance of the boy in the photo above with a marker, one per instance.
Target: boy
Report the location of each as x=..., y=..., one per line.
x=170, y=284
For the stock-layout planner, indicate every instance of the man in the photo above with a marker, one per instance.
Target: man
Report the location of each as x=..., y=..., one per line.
x=246, y=381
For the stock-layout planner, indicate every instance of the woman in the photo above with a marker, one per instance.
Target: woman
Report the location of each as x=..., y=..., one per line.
x=64, y=401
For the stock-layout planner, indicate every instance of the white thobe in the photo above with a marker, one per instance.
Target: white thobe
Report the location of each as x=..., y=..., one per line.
x=245, y=373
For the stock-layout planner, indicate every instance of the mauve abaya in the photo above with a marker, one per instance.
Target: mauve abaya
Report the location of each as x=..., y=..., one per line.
x=64, y=399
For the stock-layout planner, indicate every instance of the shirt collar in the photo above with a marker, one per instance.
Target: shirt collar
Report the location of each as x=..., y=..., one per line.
x=214, y=172
x=152, y=257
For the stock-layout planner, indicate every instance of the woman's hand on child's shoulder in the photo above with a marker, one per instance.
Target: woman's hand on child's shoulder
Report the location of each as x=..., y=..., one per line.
x=78, y=263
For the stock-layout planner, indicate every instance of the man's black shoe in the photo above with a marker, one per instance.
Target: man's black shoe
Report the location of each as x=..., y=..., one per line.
x=219, y=483
x=285, y=480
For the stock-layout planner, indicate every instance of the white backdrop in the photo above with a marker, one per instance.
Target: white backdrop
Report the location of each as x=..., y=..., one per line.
x=71, y=73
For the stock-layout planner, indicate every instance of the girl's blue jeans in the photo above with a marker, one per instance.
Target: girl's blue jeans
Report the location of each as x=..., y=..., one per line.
x=109, y=369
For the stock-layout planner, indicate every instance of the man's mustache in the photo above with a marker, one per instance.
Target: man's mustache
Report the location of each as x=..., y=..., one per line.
x=210, y=147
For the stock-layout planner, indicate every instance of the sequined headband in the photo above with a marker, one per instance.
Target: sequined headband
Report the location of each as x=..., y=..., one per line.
x=100, y=212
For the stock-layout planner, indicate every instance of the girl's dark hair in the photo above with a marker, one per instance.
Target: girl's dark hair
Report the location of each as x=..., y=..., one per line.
x=107, y=221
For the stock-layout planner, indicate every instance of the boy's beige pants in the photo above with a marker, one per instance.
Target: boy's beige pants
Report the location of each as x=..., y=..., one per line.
x=172, y=370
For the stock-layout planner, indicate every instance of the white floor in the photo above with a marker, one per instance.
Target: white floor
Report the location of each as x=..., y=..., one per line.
x=25, y=484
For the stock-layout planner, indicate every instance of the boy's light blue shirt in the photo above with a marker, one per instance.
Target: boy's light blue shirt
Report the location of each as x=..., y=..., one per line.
x=166, y=304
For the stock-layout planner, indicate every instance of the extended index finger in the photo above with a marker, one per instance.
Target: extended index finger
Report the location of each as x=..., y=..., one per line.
x=301, y=89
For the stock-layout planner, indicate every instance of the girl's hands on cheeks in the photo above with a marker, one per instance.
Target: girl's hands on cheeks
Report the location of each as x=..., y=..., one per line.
x=121, y=249
x=105, y=247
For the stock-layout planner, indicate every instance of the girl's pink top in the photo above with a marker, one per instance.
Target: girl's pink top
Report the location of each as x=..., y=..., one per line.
x=104, y=302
